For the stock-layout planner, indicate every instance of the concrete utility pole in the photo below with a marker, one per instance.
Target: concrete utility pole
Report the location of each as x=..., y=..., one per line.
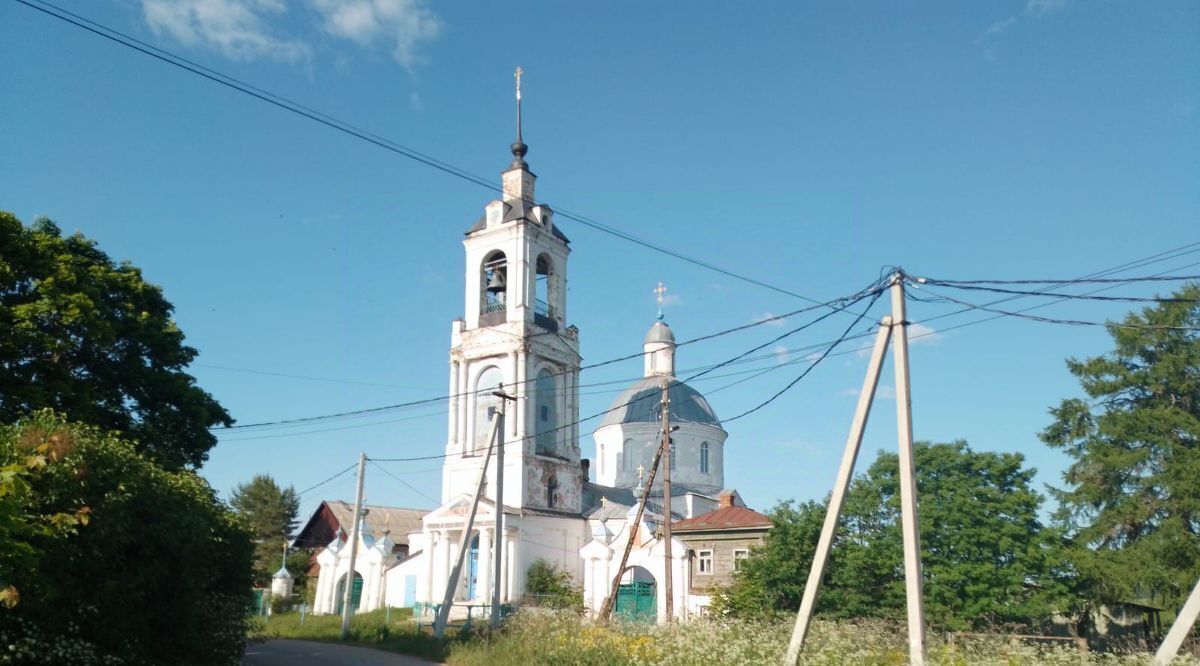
x=669, y=583
x=908, y=486
x=1179, y=629
x=611, y=600
x=354, y=536
x=497, y=541
x=443, y=616
x=838, y=499
x=908, y=483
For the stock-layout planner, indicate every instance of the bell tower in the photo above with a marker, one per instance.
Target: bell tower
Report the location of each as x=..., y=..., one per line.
x=514, y=333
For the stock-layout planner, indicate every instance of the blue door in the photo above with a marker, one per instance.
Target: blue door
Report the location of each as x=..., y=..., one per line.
x=410, y=591
x=473, y=567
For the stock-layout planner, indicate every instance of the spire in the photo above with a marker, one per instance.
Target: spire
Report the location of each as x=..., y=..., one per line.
x=519, y=148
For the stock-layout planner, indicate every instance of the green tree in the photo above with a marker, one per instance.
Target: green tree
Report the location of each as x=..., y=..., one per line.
x=92, y=339
x=273, y=514
x=986, y=558
x=1131, y=499
x=160, y=574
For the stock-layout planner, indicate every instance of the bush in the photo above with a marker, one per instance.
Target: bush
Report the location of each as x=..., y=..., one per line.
x=551, y=587
x=158, y=574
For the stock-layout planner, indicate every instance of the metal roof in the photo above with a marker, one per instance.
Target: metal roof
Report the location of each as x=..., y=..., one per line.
x=640, y=404
x=659, y=332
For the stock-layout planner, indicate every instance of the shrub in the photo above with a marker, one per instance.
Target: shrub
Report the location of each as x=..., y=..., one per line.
x=551, y=587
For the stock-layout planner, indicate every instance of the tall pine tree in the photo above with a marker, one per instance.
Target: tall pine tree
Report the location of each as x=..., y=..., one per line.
x=1131, y=498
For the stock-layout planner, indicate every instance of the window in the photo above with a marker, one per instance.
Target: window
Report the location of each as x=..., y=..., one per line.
x=739, y=554
x=704, y=457
x=486, y=405
x=627, y=455
x=704, y=562
x=547, y=432
x=551, y=486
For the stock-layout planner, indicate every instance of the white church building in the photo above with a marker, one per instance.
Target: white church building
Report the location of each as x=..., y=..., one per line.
x=515, y=333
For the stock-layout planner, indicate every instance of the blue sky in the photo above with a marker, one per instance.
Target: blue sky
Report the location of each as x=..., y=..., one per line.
x=804, y=144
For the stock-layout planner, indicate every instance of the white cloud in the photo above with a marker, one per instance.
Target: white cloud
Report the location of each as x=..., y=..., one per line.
x=236, y=28
x=1034, y=9
x=769, y=319
x=782, y=354
x=405, y=25
x=920, y=334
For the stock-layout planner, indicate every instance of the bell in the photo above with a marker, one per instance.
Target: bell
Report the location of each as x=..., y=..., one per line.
x=496, y=282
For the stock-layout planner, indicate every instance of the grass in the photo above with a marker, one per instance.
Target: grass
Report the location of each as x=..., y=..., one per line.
x=366, y=629
x=530, y=640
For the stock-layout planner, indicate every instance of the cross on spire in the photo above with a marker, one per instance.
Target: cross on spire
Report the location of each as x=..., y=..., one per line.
x=660, y=294
x=519, y=148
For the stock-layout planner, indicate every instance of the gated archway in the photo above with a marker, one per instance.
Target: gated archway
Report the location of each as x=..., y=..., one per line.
x=637, y=596
x=355, y=592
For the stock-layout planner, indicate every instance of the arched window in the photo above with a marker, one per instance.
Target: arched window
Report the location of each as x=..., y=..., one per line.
x=545, y=272
x=704, y=457
x=486, y=405
x=627, y=455
x=546, y=415
x=493, y=289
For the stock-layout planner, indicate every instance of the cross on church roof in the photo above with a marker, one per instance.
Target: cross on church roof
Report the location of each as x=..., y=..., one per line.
x=660, y=293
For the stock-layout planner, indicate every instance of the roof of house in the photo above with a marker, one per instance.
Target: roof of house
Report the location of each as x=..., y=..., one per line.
x=725, y=518
x=399, y=522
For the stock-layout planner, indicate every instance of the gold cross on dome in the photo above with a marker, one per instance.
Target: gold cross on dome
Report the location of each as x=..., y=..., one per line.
x=660, y=293
x=517, y=75
x=641, y=471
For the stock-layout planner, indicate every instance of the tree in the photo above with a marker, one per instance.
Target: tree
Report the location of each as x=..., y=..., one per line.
x=551, y=587
x=159, y=574
x=93, y=340
x=1131, y=499
x=273, y=514
x=986, y=559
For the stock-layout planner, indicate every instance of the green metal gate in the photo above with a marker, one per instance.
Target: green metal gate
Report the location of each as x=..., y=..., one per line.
x=355, y=593
x=636, y=601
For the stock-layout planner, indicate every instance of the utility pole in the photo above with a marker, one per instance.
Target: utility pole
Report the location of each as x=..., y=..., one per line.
x=908, y=484
x=611, y=600
x=354, y=536
x=497, y=541
x=838, y=498
x=665, y=452
x=888, y=333
x=1179, y=629
x=443, y=615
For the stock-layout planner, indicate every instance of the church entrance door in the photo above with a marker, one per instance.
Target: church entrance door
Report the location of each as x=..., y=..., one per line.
x=637, y=600
x=473, y=567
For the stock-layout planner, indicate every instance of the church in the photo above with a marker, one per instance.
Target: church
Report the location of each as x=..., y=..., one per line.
x=515, y=335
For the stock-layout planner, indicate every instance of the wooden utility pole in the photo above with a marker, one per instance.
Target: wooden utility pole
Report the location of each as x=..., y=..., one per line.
x=497, y=541
x=908, y=486
x=838, y=499
x=666, y=452
x=1179, y=629
x=611, y=600
x=354, y=536
x=443, y=615
x=908, y=483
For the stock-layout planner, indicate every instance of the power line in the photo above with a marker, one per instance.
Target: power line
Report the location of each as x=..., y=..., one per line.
x=374, y=139
x=920, y=282
x=1145, y=278
x=1053, y=320
x=811, y=366
x=647, y=396
x=836, y=305
x=335, y=476
x=406, y=483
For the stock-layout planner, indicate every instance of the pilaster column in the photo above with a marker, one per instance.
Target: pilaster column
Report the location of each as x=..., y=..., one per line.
x=483, y=579
x=513, y=588
x=455, y=390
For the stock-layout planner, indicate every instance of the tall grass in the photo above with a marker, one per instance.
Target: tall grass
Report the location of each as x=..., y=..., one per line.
x=368, y=629
x=532, y=640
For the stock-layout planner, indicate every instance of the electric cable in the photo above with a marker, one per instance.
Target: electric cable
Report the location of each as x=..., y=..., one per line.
x=406, y=483
x=311, y=488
